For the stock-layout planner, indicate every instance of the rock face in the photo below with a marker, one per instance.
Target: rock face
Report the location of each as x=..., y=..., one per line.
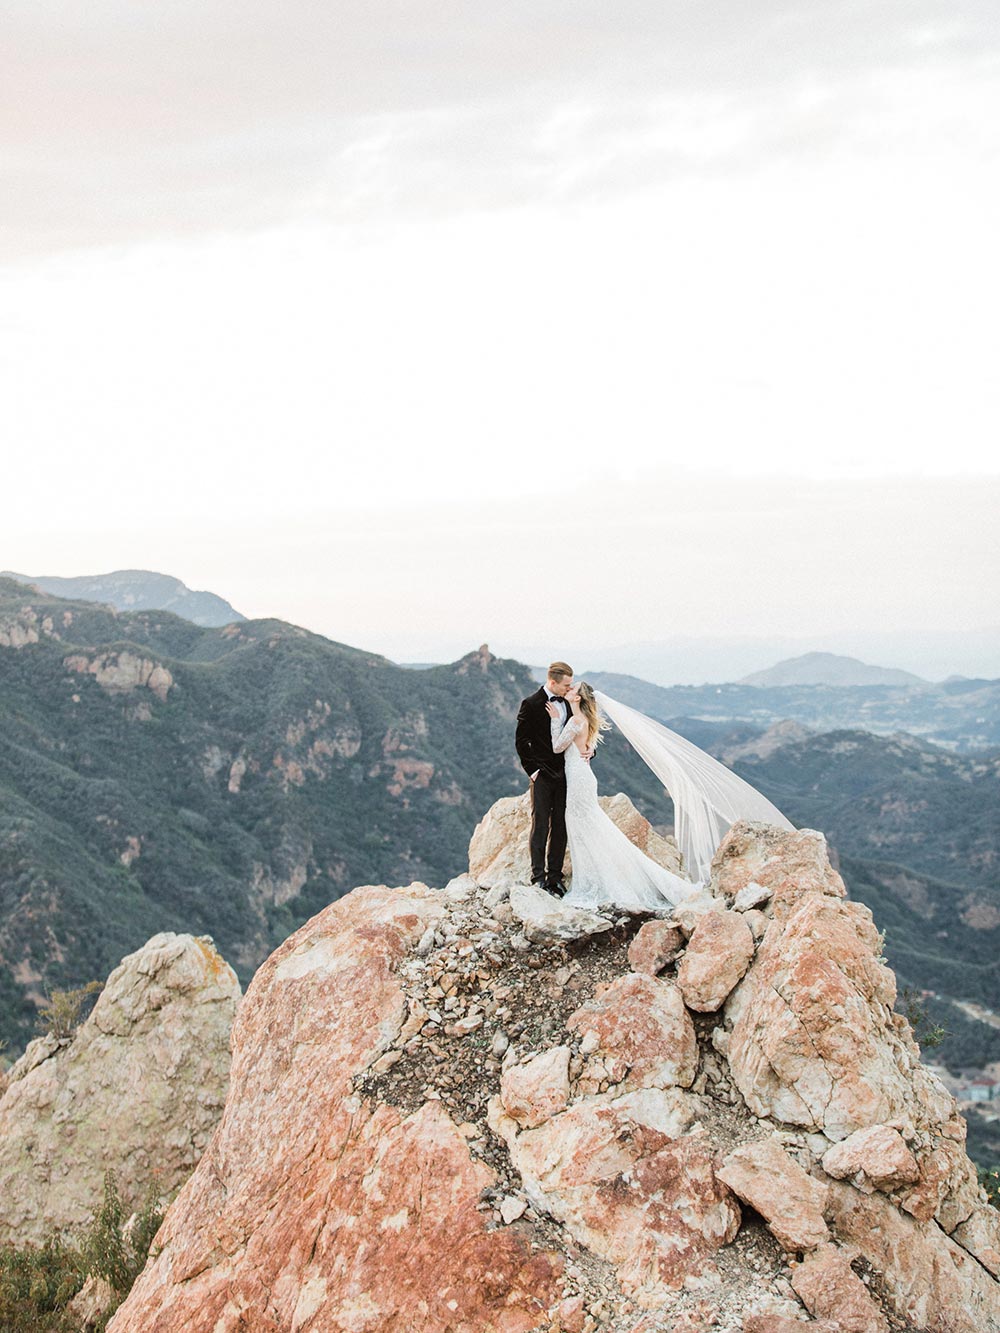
x=877, y=1154
x=814, y=1039
x=498, y=853
x=435, y=1125
x=138, y=1089
x=790, y=1200
x=718, y=953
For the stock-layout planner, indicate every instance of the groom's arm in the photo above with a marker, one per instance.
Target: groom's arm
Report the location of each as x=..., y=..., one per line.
x=526, y=741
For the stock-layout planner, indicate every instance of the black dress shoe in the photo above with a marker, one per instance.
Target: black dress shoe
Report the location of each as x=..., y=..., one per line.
x=558, y=889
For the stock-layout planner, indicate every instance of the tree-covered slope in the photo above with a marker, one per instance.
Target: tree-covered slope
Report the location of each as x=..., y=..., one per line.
x=154, y=775
x=157, y=775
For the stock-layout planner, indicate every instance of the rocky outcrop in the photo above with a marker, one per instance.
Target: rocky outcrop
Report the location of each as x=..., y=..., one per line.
x=122, y=672
x=498, y=853
x=138, y=1089
x=19, y=628
x=437, y=1125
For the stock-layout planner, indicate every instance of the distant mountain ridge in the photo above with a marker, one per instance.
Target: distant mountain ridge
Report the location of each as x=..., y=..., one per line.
x=138, y=590
x=960, y=715
x=829, y=669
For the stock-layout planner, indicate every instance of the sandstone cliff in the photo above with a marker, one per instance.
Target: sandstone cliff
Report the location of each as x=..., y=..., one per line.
x=445, y=1116
x=138, y=1089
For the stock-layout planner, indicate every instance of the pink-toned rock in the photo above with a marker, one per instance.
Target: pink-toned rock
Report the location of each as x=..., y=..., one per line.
x=641, y=1198
x=779, y=1323
x=879, y=1153
x=788, y=863
x=829, y=1288
x=814, y=1041
x=948, y=1187
x=656, y=944
x=571, y=1315
x=763, y=1175
x=718, y=953
x=534, y=1092
x=926, y=1278
x=315, y=1208
x=636, y=1033
x=980, y=1235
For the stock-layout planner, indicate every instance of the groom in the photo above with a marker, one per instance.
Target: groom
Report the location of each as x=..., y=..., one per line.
x=547, y=771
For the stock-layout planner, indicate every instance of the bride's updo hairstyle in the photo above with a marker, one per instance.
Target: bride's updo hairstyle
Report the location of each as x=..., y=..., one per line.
x=596, y=721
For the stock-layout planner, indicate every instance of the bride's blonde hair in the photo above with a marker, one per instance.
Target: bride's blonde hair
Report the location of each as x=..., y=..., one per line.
x=596, y=721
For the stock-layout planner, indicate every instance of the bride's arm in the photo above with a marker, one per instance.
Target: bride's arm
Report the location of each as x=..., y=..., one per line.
x=563, y=736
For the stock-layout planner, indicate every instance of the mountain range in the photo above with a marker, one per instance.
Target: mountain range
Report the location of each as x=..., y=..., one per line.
x=829, y=669
x=137, y=590
x=231, y=781
x=959, y=714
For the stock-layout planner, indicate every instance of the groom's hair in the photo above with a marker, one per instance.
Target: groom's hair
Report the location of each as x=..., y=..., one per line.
x=559, y=670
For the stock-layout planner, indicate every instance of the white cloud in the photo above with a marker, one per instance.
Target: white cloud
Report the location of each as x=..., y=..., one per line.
x=277, y=271
x=122, y=123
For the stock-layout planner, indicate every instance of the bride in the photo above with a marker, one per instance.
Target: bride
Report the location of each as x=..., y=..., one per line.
x=708, y=798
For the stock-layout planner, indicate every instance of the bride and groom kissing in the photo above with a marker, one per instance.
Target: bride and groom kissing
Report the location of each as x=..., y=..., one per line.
x=559, y=728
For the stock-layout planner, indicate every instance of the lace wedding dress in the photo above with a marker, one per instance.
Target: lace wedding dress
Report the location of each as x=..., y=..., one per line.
x=607, y=868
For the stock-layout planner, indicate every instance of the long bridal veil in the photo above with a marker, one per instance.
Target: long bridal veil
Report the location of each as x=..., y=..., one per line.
x=708, y=797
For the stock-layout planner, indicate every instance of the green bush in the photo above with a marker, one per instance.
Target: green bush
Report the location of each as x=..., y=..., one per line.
x=926, y=1033
x=111, y=1251
x=63, y=1012
x=37, y=1282
x=36, y=1285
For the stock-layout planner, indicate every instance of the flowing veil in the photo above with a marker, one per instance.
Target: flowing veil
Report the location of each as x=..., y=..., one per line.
x=708, y=797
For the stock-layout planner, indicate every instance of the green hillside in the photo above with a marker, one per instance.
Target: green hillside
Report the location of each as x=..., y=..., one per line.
x=277, y=771
x=157, y=775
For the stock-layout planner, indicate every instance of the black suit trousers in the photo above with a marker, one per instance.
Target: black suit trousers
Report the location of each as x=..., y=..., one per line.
x=548, y=825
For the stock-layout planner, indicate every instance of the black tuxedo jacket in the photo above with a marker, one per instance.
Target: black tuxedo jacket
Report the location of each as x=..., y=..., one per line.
x=533, y=738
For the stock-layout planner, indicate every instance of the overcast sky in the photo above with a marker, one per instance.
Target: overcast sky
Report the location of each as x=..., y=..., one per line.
x=692, y=305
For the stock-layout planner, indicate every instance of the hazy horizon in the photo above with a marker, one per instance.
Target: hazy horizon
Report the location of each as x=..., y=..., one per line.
x=805, y=567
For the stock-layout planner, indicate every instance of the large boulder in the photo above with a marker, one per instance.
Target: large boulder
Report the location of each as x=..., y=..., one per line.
x=317, y=1206
x=635, y=1033
x=630, y=1181
x=498, y=852
x=780, y=864
x=815, y=1041
x=763, y=1175
x=438, y=1125
x=138, y=1089
x=928, y=1278
x=718, y=953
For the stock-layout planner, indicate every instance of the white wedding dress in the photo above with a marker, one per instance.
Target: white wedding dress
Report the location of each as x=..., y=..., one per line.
x=608, y=869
